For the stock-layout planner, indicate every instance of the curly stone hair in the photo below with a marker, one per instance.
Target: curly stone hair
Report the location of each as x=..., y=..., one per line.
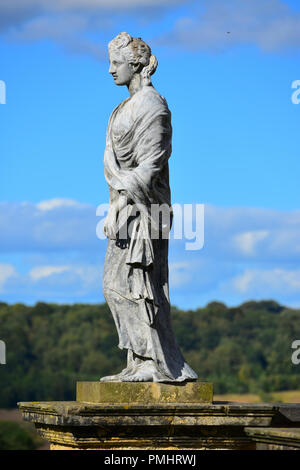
x=136, y=51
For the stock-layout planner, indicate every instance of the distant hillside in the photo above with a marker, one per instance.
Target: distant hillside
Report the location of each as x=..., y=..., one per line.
x=245, y=349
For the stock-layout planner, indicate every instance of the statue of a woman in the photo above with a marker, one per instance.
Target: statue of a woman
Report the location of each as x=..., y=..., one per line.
x=135, y=280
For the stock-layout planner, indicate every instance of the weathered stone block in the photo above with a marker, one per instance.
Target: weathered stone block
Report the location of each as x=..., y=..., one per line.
x=144, y=392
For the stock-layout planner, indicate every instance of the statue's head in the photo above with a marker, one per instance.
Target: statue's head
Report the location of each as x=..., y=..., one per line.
x=129, y=56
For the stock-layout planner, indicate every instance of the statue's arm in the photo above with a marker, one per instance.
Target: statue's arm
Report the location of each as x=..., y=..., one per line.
x=110, y=222
x=117, y=201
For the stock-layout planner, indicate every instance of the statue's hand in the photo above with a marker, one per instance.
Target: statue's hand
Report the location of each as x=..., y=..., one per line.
x=110, y=224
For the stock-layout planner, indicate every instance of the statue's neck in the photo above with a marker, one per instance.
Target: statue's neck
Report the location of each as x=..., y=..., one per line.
x=136, y=84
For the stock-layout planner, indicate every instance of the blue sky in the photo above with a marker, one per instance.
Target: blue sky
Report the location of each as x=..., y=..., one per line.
x=226, y=69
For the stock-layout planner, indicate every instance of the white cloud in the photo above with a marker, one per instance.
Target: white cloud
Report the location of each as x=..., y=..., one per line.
x=264, y=235
x=6, y=272
x=241, y=283
x=49, y=225
x=216, y=25
x=41, y=272
x=234, y=234
x=209, y=25
x=69, y=22
x=265, y=282
x=47, y=282
x=49, y=250
x=247, y=242
x=59, y=203
x=180, y=274
x=58, y=5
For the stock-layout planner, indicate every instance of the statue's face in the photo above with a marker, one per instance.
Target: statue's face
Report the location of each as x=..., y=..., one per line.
x=120, y=69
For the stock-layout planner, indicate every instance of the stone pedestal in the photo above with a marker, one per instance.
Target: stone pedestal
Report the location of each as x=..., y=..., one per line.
x=151, y=416
x=144, y=393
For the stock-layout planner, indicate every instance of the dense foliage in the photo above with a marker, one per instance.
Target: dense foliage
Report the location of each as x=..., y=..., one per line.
x=17, y=436
x=50, y=347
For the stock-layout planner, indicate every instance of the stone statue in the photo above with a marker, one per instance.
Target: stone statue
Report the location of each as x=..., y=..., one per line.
x=135, y=279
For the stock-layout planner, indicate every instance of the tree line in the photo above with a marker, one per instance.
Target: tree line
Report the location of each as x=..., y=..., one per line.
x=240, y=349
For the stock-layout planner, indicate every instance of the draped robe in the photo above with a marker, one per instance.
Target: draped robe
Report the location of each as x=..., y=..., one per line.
x=135, y=280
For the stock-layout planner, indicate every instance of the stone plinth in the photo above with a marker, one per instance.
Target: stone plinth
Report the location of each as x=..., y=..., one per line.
x=156, y=417
x=144, y=392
